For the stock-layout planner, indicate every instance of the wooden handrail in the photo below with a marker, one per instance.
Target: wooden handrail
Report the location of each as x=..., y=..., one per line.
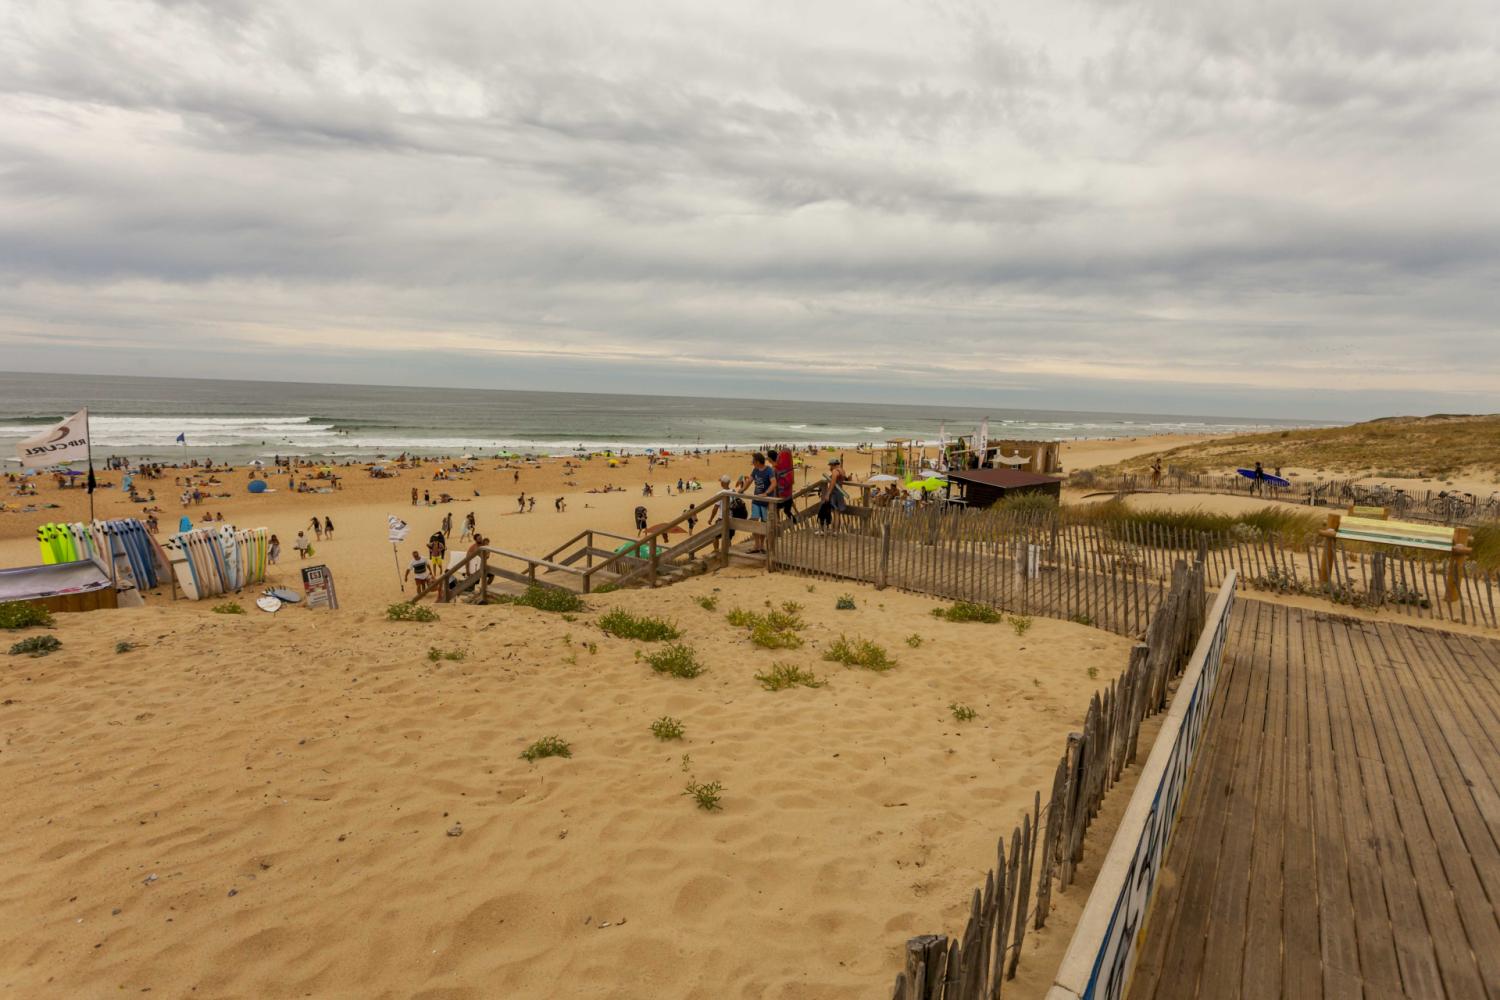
x=532, y=562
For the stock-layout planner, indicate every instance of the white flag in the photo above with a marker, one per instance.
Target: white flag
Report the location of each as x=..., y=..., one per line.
x=67, y=442
x=398, y=528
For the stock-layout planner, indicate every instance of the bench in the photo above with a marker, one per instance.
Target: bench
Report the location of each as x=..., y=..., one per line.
x=1353, y=527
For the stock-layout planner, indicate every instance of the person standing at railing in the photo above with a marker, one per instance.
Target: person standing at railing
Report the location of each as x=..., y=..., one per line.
x=785, y=480
x=762, y=478
x=833, y=495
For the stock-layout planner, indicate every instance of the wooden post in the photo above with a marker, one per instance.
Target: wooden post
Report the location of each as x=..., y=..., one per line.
x=724, y=530
x=484, y=577
x=1329, y=534
x=655, y=557
x=1461, y=552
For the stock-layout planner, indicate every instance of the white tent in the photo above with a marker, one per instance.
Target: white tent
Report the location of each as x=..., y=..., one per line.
x=1012, y=460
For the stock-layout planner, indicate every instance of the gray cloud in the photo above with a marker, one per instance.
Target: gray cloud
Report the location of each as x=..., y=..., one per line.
x=1190, y=199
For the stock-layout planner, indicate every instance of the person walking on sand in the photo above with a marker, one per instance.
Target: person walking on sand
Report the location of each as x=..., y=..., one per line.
x=302, y=545
x=560, y=505
x=468, y=526
x=418, y=570
x=640, y=520
x=531, y=503
x=1156, y=474
x=447, y=525
x=413, y=496
x=328, y=528
x=317, y=528
x=1258, y=484
x=273, y=551
x=426, y=498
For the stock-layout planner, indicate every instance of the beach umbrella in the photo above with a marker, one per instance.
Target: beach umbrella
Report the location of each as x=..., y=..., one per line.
x=883, y=478
x=71, y=472
x=931, y=474
x=927, y=485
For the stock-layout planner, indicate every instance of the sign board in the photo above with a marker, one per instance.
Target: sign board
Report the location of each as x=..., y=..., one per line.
x=317, y=583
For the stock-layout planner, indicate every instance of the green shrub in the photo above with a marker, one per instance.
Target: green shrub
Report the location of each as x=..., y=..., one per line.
x=968, y=611
x=434, y=654
x=547, y=746
x=784, y=675
x=622, y=623
x=408, y=611
x=606, y=588
x=37, y=645
x=708, y=602
x=544, y=599
x=228, y=608
x=677, y=659
x=707, y=795
x=1081, y=619
x=845, y=602
x=740, y=618
x=1026, y=504
x=1020, y=623
x=766, y=637
x=914, y=640
x=860, y=653
x=23, y=614
x=961, y=712
x=791, y=607
x=667, y=728
x=124, y=647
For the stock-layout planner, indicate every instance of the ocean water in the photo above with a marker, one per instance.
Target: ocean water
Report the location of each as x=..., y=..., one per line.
x=235, y=421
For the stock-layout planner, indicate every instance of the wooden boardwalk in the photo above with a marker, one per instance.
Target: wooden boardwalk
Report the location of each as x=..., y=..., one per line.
x=1340, y=835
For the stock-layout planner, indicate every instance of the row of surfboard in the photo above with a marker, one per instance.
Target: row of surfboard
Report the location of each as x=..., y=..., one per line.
x=123, y=546
x=218, y=560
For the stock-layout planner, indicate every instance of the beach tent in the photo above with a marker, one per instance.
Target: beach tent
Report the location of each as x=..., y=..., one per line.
x=257, y=486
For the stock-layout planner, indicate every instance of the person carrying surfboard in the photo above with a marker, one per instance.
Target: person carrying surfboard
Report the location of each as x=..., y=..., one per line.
x=1258, y=484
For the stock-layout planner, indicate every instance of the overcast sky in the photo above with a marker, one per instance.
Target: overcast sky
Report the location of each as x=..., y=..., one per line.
x=1284, y=208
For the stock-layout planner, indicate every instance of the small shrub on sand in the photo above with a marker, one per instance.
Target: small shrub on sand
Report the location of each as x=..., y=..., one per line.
x=407, y=611
x=706, y=794
x=785, y=675
x=1093, y=672
x=622, y=623
x=845, y=602
x=434, y=654
x=37, y=645
x=228, y=608
x=606, y=588
x=547, y=746
x=1020, y=623
x=859, y=653
x=767, y=637
x=544, y=599
x=1081, y=619
x=791, y=607
x=667, y=728
x=21, y=614
x=124, y=647
x=968, y=611
x=962, y=712
x=677, y=659
x=914, y=640
x=708, y=602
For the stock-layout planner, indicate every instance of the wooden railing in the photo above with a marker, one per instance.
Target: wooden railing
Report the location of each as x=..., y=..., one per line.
x=1048, y=843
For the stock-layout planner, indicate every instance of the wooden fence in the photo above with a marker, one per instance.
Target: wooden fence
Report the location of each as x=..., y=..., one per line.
x=1445, y=506
x=1110, y=572
x=1048, y=843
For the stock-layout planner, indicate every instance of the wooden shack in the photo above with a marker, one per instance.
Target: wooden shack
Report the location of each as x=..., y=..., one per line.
x=984, y=487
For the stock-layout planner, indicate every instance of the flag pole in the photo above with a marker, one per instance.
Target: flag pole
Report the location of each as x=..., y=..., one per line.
x=89, y=444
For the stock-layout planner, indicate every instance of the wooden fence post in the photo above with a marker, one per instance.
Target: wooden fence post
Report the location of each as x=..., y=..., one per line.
x=883, y=574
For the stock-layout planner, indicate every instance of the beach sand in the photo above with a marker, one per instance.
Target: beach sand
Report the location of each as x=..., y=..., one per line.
x=290, y=780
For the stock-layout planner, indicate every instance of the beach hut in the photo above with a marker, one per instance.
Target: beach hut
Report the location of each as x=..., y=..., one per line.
x=984, y=487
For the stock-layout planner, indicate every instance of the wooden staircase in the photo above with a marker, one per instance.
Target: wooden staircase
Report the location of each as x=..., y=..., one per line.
x=594, y=557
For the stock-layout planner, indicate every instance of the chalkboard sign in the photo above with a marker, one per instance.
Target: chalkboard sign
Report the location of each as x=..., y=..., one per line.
x=317, y=582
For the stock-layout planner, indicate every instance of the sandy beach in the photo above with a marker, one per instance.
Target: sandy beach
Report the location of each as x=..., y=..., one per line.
x=260, y=806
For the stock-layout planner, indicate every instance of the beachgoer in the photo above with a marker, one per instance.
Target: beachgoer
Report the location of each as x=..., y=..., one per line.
x=317, y=527
x=436, y=548
x=1257, y=484
x=426, y=498
x=761, y=478
x=1156, y=474
x=521, y=503
x=781, y=462
x=447, y=524
x=273, y=550
x=468, y=526
x=302, y=545
x=833, y=495
x=328, y=527
x=413, y=496
x=418, y=569
x=640, y=520
x=531, y=503
x=558, y=503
